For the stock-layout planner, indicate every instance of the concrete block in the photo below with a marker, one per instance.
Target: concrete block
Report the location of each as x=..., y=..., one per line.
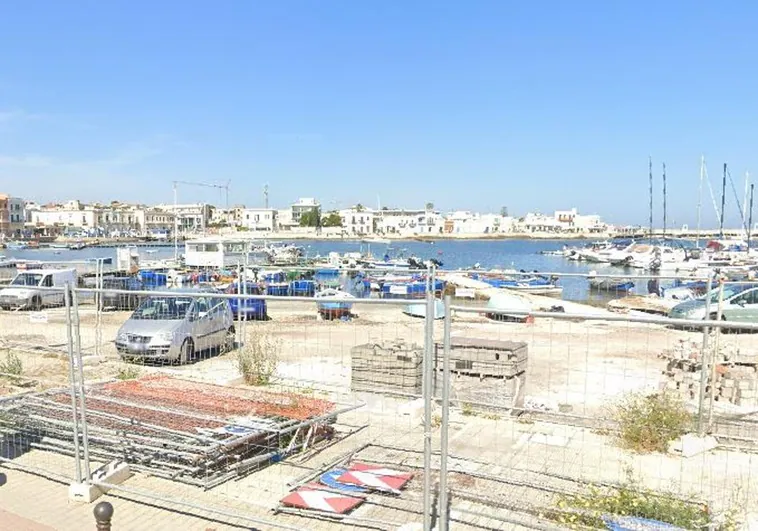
x=727, y=382
x=746, y=385
x=690, y=445
x=678, y=376
x=671, y=385
x=83, y=492
x=727, y=392
x=114, y=473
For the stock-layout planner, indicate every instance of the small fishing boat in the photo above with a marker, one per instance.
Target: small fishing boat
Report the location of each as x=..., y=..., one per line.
x=609, y=284
x=16, y=246
x=534, y=284
x=419, y=310
x=58, y=246
x=77, y=246
x=501, y=303
x=334, y=309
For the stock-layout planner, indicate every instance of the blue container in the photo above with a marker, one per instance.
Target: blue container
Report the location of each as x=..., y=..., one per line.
x=302, y=288
x=278, y=290
x=152, y=279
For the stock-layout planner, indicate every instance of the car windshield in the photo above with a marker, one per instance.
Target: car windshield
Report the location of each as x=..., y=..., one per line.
x=27, y=279
x=163, y=308
x=729, y=291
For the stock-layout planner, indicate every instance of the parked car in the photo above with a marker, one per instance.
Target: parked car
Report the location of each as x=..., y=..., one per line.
x=176, y=328
x=122, y=301
x=24, y=290
x=250, y=308
x=740, y=304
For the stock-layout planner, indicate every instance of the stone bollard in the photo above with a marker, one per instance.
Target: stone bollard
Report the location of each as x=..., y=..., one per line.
x=103, y=514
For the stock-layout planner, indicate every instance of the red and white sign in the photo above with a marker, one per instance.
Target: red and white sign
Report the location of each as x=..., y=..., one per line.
x=320, y=500
x=376, y=477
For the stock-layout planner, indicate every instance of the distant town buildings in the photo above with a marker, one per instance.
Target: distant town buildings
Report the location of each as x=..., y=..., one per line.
x=75, y=218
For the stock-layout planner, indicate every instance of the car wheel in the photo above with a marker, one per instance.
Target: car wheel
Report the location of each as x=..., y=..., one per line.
x=187, y=352
x=229, y=340
x=36, y=303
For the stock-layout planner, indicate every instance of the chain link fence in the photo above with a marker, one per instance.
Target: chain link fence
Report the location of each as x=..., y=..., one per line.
x=499, y=410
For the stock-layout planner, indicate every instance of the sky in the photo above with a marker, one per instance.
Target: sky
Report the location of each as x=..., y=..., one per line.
x=533, y=106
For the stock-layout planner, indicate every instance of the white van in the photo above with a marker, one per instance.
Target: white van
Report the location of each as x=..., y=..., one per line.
x=23, y=290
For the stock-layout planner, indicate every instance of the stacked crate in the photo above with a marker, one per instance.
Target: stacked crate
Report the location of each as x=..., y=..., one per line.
x=485, y=372
x=734, y=379
x=387, y=366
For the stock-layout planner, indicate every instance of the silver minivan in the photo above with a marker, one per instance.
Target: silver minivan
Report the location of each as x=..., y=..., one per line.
x=176, y=328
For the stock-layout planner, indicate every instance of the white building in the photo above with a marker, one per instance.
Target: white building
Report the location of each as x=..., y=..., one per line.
x=562, y=222
x=191, y=218
x=464, y=222
x=289, y=218
x=303, y=205
x=400, y=222
x=53, y=219
x=227, y=217
x=357, y=221
x=259, y=219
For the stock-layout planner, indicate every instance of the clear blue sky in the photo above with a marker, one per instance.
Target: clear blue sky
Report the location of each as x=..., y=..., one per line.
x=471, y=105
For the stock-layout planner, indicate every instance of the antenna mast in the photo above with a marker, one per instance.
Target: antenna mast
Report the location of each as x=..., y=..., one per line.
x=265, y=196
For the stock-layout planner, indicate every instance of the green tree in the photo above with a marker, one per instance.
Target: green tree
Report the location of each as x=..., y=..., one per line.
x=310, y=218
x=359, y=208
x=430, y=206
x=332, y=219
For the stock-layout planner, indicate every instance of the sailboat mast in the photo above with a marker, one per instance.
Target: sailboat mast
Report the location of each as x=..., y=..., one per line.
x=650, y=175
x=745, y=197
x=664, y=200
x=750, y=216
x=700, y=198
x=723, y=203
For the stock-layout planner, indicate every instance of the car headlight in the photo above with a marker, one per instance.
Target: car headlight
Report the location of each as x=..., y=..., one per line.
x=164, y=337
x=121, y=336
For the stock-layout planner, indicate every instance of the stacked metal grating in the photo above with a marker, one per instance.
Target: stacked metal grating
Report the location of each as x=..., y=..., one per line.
x=733, y=377
x=388, y=366
x=197, y=433
x=486, y=372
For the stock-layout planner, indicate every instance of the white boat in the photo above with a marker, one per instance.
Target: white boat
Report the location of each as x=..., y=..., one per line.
x=334, y=310
x=419, y=310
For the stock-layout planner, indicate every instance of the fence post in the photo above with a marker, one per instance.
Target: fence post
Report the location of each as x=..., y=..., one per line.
x=72, y=380
x=716, y=341
x=82, y=400
x=443, y=495
x=705, y=361
x=103, y=514
x=428, y=391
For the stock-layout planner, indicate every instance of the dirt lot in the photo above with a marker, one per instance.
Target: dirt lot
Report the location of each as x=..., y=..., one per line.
x=575, y=364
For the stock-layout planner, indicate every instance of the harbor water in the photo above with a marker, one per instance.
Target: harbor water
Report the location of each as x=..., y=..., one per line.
x=454, y=254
